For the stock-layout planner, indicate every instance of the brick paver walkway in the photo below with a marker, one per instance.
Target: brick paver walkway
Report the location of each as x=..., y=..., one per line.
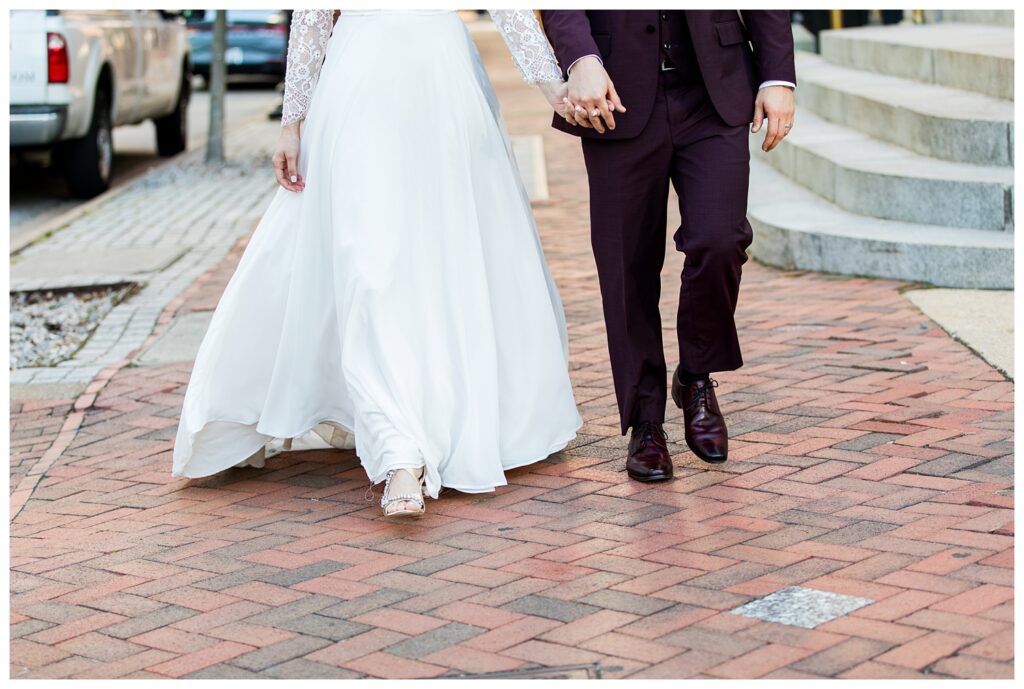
x=871, y=457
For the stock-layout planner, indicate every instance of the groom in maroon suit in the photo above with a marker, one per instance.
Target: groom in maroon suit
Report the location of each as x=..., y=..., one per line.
x=665, y=96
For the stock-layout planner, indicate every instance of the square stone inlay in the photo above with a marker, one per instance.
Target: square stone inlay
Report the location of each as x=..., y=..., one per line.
x=801, y=607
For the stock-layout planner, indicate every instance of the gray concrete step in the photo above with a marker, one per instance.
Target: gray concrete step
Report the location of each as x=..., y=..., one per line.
x=971, y=57
x=794, y=228
x=864, y=175
x=994, y=17
x=935, y=121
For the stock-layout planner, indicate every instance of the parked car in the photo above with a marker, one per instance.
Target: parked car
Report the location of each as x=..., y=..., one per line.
x=76, y=74
x=257, y=42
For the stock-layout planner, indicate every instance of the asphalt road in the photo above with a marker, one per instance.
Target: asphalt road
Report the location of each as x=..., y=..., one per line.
x=38, y=194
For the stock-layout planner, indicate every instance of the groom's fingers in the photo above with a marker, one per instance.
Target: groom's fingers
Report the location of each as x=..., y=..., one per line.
x=580, y=114
x=567, y=113
x=606, y=110
x=594, y=113
x=606, y=113
x=771, y=138
x=758, y=116
x=614, y=97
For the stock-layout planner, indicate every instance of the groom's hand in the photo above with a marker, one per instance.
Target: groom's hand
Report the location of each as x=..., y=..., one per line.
x=776, y=103
x=593, y=93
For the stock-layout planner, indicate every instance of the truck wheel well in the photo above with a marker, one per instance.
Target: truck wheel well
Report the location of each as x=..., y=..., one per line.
x=105, y=80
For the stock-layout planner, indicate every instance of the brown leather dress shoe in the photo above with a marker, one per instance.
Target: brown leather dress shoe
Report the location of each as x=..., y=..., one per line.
x=648, y=453
x=706, y=434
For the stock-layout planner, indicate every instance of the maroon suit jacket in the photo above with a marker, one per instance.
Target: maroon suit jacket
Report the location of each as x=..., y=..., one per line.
x=733, y=59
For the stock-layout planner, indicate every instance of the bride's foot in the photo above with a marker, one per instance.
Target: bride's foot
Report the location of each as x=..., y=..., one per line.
x=403, y=494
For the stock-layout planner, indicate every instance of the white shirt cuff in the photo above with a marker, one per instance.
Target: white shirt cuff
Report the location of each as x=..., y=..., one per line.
x=580, y=58
x=777, y=83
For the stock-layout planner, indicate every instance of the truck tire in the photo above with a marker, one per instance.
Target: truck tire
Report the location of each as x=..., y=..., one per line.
x=89, y=161
x=172, y=130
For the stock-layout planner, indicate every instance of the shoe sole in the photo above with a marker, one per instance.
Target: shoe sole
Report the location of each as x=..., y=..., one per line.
x=720, y=460
x=649, y=479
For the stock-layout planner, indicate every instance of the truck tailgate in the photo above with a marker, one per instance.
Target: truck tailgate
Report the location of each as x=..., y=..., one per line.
x=28, y=57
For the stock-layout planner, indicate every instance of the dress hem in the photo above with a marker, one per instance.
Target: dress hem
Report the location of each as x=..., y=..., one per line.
x=555, y=447
x=255, y=427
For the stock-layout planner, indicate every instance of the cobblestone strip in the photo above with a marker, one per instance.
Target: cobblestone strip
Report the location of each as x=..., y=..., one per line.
x=68, y=430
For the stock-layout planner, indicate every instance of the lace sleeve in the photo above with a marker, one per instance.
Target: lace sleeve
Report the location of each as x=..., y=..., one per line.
x=528, y=45
x=307, y=45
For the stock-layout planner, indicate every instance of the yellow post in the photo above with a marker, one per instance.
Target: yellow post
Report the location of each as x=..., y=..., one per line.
x=837, y=18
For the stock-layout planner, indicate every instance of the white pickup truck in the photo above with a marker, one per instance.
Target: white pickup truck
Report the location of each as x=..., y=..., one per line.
x=76, y=74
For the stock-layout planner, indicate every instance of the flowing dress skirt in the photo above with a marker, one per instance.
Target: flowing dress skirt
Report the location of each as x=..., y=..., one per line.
x=403, y=296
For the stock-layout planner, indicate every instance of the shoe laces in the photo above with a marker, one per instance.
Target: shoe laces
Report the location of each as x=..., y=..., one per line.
x=700, y=397
x=647, y=431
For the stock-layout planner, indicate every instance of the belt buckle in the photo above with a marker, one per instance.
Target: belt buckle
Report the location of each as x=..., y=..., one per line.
x=666, y=68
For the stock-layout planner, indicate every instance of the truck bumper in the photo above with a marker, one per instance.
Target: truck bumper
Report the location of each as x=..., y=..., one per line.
x=35, y=125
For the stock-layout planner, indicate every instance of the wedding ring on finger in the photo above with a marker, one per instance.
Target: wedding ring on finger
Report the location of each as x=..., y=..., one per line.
x=787, y=126
x=594, y=114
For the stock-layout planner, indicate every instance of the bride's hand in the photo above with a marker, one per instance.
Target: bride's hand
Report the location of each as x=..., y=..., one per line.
x=556, y=93
x=286, y=158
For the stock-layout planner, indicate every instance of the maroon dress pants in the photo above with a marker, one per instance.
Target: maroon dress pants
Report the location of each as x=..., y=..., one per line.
x=686, y=143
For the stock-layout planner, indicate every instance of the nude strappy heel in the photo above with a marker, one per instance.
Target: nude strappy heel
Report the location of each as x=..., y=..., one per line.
x=401, y=515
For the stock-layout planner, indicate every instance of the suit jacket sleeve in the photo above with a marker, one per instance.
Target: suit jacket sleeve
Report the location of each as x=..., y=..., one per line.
x=771, y=37
x=568, y=31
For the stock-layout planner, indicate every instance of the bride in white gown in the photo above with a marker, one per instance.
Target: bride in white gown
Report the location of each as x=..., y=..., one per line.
x=395, y=289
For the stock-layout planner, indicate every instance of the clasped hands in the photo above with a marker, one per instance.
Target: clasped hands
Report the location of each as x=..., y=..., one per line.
x=589, y=100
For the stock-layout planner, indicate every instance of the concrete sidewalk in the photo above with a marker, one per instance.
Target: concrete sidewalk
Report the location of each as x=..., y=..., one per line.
x=862, y=527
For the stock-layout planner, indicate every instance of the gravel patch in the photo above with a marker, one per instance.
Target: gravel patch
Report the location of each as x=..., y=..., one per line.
x=49, y=327
x=190, y=170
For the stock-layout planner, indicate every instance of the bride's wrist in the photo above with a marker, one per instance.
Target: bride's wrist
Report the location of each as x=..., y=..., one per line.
x=550, y=87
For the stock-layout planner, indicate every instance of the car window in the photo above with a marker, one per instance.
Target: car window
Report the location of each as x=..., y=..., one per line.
x=239, y=16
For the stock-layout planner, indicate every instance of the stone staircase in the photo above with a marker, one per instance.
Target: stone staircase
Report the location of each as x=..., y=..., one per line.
x=900, y=162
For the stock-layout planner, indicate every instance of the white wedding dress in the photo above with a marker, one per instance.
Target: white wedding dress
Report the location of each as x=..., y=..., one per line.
x=402, y=297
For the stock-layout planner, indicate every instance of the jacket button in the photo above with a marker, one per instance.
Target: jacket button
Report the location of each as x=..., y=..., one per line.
x=649, y=28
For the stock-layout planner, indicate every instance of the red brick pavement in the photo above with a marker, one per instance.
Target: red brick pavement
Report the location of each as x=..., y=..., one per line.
x=871, y=456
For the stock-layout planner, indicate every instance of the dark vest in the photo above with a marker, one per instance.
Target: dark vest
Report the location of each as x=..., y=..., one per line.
x=676, y=45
